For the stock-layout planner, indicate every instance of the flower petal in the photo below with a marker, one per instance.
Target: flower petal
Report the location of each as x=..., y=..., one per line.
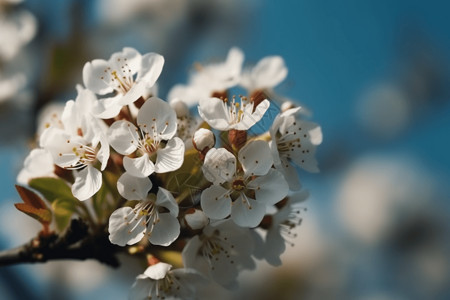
x=133, y=188
x=141, y=289
x=165, y=231
x=107, y=108
x=157, y=271
x=140, y=166
x=256, y=158
x=269, y=72
x=157, y=115
x=216, y=202
x=171, y=157
x=290, y=174
x=219, y=166
x=151, y=67
x=87, y=182
x=276, y=245
x=214, y=111
x=269, y=189
x=247, y=212
x=165, y=199
x=125, y=227
x=94, y=76
x=123, y=137
x=135, y=92
x=251, y=118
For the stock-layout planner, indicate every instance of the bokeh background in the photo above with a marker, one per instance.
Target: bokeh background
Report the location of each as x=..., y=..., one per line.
x=375, y=74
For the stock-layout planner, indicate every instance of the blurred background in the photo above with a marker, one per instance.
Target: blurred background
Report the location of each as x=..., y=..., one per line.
x=375, y=74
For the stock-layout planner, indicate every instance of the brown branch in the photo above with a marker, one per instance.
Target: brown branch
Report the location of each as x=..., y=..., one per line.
x=75, y=244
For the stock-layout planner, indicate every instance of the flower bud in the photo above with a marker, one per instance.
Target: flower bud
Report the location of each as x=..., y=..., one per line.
x=195, y=219
x=203, y=139
x=181, y=109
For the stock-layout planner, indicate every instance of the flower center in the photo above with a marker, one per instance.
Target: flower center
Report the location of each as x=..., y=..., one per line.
x=120, y=79
x=238, y=185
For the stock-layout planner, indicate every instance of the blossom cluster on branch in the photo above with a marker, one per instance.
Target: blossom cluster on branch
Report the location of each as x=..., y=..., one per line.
x=198, y=186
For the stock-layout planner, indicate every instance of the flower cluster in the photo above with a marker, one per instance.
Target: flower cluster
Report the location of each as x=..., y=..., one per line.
x=185, y=177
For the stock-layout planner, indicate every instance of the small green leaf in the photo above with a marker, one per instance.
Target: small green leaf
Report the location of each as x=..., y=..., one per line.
x=63, y=208
x=187, y=181
x=51, y=188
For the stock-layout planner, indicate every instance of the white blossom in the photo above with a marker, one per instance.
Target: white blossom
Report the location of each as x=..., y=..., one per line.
x=211, y=78
x=78, y=146
x=243, y=192
x=159, y=281
x=157, y=124
x=221, y=251
x=226, y=115
x=127, y=226
x=294, y=141
x=265, y=75
x=128, y=74
x=282, y=225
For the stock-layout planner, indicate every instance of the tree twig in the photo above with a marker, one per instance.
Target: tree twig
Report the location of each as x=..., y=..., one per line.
x=76, y=244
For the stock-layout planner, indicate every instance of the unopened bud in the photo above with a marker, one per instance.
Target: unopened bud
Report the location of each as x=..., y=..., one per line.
x=181, y=108
x=195, y=219
x=203, y=139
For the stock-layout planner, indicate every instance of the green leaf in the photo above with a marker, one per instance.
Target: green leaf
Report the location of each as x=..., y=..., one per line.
x=63, y=208
x=51, y=188
x=187, y=181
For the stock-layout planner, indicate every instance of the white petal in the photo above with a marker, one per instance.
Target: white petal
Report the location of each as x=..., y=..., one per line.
x=128, y=58
x=290, y=174
x=256, y=158
x=276, y=245
x=141, y=289
x=123, y=137
x=269, y=72
x=165, y=199
x=189, y=94
x=271, y=188
x=190, y=252
x=214, y=111
x=219, y=166
x=125, y=227
x=103, y=152
x=107, y=108
x=171, y=157
x=165, y=231
x=87, y=182
x=54, y=140
x=158, y=271
x=247, y=214
x=158, y=113
x=216, y=202
x=140, y=166
x=92, y=76
x=135, y=92
x=251, y=118
x=151, y=67
x=133, y=188
x=39, y=163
